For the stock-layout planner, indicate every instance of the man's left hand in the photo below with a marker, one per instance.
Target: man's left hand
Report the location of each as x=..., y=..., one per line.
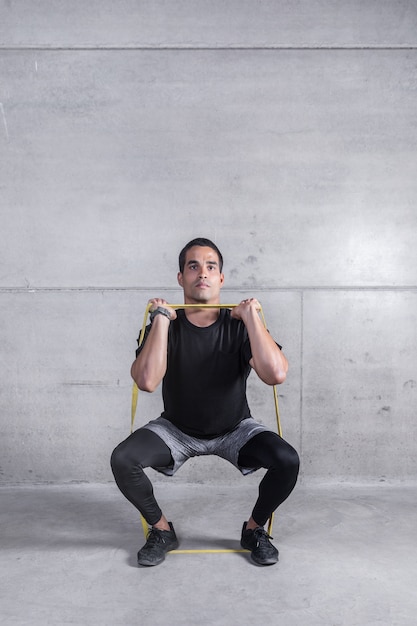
x=245, y=307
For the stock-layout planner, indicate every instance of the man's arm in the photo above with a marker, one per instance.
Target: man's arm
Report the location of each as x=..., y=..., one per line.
x=150, y=366
x=268, y=361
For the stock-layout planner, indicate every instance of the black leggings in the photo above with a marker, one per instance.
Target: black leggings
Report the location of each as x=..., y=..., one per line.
x=144, y=448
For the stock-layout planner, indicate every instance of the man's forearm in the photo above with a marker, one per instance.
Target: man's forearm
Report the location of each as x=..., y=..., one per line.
x=150, y=366
x=268, y=360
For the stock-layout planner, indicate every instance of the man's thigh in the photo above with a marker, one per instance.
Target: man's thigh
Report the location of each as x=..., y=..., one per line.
x=264, y=450
x=146, y=448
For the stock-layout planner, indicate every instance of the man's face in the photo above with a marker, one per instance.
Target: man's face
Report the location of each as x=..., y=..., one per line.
x=201, y=278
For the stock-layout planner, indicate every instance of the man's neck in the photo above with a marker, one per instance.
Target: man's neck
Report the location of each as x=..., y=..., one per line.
x=202, y=317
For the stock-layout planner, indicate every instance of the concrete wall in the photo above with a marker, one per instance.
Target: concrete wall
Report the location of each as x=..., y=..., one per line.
x=285, y=131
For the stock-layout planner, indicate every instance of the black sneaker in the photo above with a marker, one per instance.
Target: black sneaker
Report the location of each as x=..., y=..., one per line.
x=158, y=543
x=257, y=541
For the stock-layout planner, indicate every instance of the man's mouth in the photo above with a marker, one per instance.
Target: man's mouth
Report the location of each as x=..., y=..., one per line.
x=202, y=285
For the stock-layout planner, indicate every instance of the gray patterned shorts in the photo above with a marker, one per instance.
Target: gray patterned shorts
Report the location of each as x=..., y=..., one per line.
x=184, y=447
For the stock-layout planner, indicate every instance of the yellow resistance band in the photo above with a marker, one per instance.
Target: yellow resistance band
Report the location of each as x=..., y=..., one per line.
x=135, y=392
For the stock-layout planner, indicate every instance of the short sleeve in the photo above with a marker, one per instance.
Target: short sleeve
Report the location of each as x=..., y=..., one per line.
x=139, y=348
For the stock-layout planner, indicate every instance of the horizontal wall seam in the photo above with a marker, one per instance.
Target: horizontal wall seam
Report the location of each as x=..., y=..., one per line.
x=193, y=47
x=157, y=289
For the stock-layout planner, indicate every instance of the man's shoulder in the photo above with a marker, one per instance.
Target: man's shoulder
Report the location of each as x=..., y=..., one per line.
x=234, y=326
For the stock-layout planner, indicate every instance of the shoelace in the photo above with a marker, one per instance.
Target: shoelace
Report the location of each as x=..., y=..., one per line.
x=155, y=536
x=262, y=538
x=258, y=532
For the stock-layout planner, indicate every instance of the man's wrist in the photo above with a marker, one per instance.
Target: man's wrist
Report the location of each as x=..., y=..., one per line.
x=160, y=310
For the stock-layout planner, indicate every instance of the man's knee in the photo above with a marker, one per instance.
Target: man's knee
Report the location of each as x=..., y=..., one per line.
x=287, y=459
x=115, y=460
x=119, y=461
x=292, y=461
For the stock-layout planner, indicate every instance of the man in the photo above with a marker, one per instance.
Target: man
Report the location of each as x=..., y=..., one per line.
x=203, y=356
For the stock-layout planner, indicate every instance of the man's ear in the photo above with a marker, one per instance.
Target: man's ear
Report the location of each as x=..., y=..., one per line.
x=221, y=280
x=179, y=278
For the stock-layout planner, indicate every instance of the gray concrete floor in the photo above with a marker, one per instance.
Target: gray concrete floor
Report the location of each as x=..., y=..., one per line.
x=347, y=557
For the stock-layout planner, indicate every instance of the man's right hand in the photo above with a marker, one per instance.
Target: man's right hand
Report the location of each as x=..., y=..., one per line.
x=156, y=302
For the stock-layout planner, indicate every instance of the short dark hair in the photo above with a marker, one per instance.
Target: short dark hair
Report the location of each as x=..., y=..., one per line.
x=199, y=241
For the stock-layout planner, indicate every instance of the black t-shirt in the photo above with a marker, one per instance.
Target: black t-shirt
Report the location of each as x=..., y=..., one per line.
x=204, y=388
